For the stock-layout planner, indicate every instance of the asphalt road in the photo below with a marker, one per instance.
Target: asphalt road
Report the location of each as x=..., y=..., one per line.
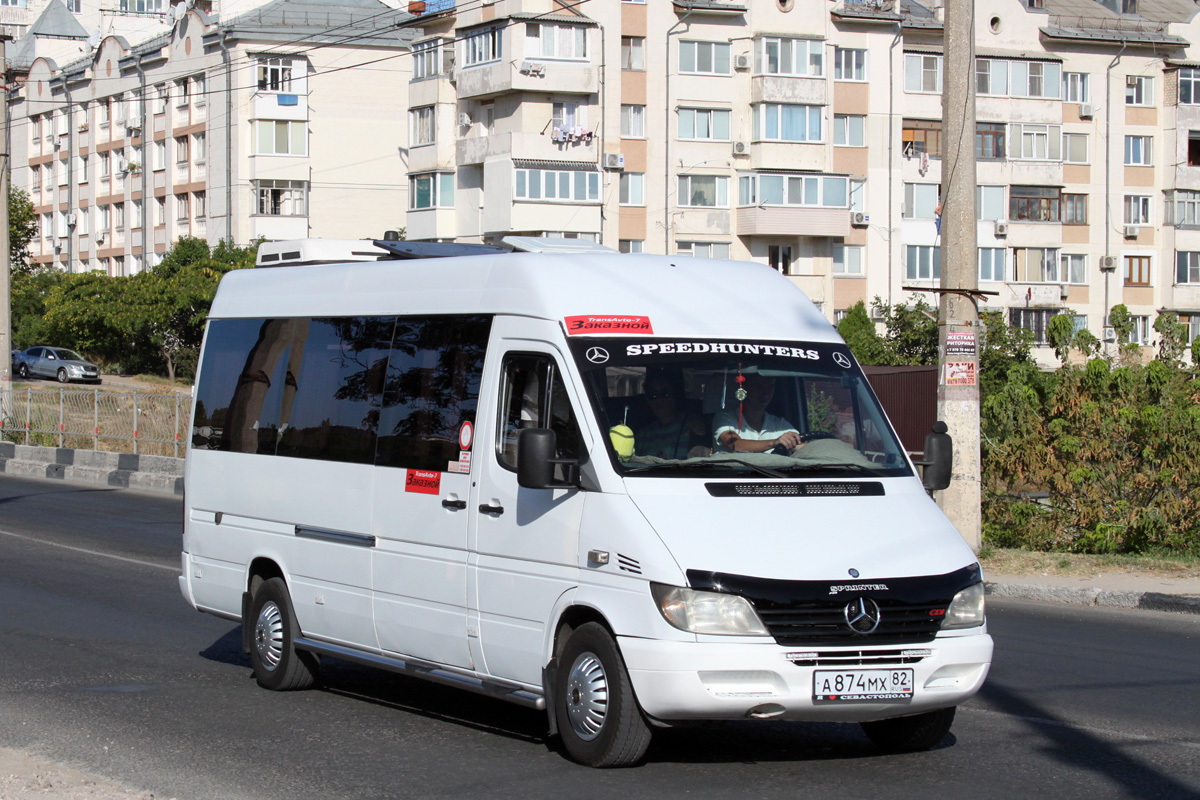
x=103, y=666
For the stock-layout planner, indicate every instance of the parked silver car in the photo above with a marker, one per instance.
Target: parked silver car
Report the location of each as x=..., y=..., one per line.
x=55, y=362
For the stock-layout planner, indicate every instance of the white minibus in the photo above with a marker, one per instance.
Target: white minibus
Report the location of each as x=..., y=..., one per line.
x=634, y=491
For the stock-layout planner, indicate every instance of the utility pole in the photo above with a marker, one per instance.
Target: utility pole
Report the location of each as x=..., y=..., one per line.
x=959, y=332
x=5, y=266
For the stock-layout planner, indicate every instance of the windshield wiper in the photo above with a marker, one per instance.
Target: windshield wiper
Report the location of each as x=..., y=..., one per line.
x=708, y=462
x=836, y=465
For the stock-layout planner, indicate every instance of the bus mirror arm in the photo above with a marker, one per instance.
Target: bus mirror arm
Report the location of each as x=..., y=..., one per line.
x=939, y=458
x=536, y=461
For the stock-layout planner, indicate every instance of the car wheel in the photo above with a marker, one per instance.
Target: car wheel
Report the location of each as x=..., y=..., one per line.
x=910, y=734
x=62, y=374
x=595, y=709
x=23, y=372
x=277, y=664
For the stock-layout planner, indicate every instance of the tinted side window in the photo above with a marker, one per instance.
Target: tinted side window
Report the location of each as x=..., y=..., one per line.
x=432, y=388
x=331, y=404
x=533, y=396
x=243, y=377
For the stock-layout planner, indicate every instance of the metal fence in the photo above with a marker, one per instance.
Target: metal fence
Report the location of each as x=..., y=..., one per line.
x=91, y=419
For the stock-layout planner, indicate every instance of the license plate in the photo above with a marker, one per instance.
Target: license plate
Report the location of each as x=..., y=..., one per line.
x=862, y=685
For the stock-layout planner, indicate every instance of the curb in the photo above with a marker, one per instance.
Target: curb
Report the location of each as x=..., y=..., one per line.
x=1148, y=601
x=161, y=474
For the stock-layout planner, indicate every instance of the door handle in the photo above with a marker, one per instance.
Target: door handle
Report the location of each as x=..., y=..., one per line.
x=457, y=505
x=487, y=509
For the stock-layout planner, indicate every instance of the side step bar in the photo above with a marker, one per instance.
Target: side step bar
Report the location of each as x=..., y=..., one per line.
x=492, y=688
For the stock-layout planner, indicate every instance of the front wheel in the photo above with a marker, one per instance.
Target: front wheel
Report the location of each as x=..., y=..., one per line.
x=910, y=734
x=278, y=665
x=62, y=374
x=23, y=372
x=594, y=705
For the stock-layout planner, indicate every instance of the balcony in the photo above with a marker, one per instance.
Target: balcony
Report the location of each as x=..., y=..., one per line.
x=792, y=221
x=527, y=75
x=524, y=146
x=789, y=89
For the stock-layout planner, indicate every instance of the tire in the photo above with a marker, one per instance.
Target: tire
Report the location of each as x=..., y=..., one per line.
x=910, y=734
x=595, y=709
x=62, y=374
x=278, y=666
x=23, y=372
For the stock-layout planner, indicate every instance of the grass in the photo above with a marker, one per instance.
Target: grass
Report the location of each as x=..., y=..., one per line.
x=1000, y=561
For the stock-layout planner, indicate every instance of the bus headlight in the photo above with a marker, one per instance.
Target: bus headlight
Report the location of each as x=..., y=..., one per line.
x=966, y=609
x=707, y=612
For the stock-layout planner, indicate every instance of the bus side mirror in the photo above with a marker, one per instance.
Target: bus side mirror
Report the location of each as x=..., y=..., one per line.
x=939, y=458
x=535, y=451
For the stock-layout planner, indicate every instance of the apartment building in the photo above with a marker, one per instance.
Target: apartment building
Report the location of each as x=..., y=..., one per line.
x=276, y=123
x=807, y=135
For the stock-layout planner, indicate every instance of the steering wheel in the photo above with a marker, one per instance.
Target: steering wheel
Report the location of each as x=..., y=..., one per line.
x=781, y=450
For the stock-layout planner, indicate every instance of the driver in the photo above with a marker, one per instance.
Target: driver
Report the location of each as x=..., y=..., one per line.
x=760, y=430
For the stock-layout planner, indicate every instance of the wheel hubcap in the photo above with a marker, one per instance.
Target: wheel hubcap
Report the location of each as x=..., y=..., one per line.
x=268, y=636
x=587, y=696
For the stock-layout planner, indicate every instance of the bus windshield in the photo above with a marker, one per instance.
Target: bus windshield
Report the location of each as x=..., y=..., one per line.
x=702, y=407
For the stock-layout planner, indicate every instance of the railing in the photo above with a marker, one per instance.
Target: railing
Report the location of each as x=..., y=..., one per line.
x=91, y=419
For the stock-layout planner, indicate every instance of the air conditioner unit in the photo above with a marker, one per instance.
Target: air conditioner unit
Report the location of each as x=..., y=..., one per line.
x=71, y=219
x=1000, y=228
x=133, y=129
x=464, y=119
x=741, y=148
x=741, y=62
x=100, y=237
x=54, y=142
x=532, y=68
x=614, y=161
x=858, y=219
x=1110, y=335
x=1064, y=291
x=1108, y=263
x=1131, y=231
x=1086, y=111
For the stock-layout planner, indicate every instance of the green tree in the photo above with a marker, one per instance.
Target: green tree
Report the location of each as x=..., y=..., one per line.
x=22, y=228
x=1061, y=334
x=858, y=329
x=912, y=332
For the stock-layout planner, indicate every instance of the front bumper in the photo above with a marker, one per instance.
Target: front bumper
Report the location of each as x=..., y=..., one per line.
x=677, y=681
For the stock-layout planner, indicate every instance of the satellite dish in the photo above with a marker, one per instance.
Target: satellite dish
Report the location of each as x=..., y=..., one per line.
x=93, y=39
x=178, y=10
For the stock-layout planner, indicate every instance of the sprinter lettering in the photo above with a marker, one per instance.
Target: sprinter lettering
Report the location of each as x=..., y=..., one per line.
x=423, y=481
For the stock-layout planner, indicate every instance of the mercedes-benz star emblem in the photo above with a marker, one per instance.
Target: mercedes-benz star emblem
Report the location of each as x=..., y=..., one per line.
x=853, y=572
x=597, y=355
x=862, y=615
x=841, y=360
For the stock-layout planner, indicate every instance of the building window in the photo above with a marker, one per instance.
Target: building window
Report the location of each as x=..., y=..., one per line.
x=991, y=263
x=279, y=138
x=779, y=258
x=704, y=123
x=1139, y=90
x=921, y=136
x=559, y=186
x=198, y=205
x=431, y=190
x=160, y=211
x=275, y=75
x=704, y=191
x=777, y=56
x=633, y=189
x=278, y=198
x=921, y=200
x=850, y=130
x=1073, y=268
x=198, y=90
x=160, y=155
x=703, y=249
x=182, y=97
x=1137, y=270
x=183, y=211
x=923, y=263
x=1141, y=330
x=1035, y=142
x=704, y=58
x=1034, y=320
x=425, y=60
x=1036, y=79
x=788, y=123
x=1187, y=267
x=991, y=77
x=1075, y=87
x=566, y=116
x=1035, y=265
x=633, y=122
x=1075, y=148
x=849, y=64
x=847, y=260
x=989, y=203
x=922, y=73
x=1138, y=150
x=989, y=140
x=1075, y=209
x=1192, y=321
x=1189, y=86
x=422, y=126
x=1137, y=209
x=828, y=191
x=482, y=46
x=551, y=40
x=633, y=52
x=631, y=245
x=142, y=6
x=181, y=150
x=1186, y=205
x=1034, y=203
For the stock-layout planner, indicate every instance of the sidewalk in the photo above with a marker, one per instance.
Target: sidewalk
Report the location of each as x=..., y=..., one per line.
x=1111, y=589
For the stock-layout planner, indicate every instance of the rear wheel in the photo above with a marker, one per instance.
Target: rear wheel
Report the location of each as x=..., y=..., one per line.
x=277, y=664
x=910, y=734
x=594, y=705
x=62, y=374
